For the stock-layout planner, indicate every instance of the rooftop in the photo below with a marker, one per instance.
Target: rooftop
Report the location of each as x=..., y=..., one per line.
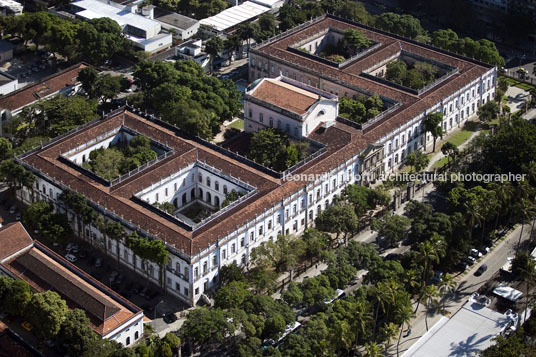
x=343, y=142
x=43, y=88
x=13, y=238
x=354, y=74
x=234, y=15
x=466, y=333
x=95, y=9
x=174, y=19
x=285, y=95
x=45, y=270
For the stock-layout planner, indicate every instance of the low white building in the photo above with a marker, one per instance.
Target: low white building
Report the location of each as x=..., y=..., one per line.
x=184, y=26
x=10, y=7
x=192, y=50
x=8, y=84
x=143, y=32
x=234, y=16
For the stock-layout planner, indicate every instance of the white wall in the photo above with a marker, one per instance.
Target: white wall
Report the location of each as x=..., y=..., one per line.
x=9, y=87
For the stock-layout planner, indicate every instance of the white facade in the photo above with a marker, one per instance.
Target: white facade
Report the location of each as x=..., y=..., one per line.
x=128, y=333
x=9, y=85
x=456, y=109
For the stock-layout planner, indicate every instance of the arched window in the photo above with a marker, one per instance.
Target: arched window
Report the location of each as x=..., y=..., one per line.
x=127, y=342
x=216, y=201
x=224, y=189
x=193, y=194
x=200, y=178
x=184, y=199
x=175, y=202
x=209, y=197
x=136, y=335
x=200, y=193
x=217, y=186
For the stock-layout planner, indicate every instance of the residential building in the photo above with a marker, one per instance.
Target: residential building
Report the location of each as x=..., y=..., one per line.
x=184, y=26
x=192, y=50
x=143, y=32
x=462, y=86
x=64, y=82
x=111, y=316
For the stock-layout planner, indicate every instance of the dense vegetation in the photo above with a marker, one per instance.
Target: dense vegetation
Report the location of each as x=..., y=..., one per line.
x=185, y=96
x=49, y=118
x=361, y=109
x=70, y=329
x=95, y=40
x=299, y=11
x=415, y=76
x=352, y=42
x=119, y=159
x=274, y=149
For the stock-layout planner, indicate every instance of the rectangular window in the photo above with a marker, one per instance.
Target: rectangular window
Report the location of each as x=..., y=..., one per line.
x=224, y=254
x=270, y=224
x=242, y=242
x=233, y=248
x=166, y=191
x=186, y=291
x=261, y=117
x=251, y=236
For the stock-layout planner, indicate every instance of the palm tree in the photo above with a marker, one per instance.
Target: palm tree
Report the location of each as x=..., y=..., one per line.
x=379, y=296
x=447, y=285
x=362, y=319
x=430, y=297
x=526, y=211
x=504, y=193
x=373, y=350
x=475, y=215
x=429, y=252
x=389, y=332
x=405, y=314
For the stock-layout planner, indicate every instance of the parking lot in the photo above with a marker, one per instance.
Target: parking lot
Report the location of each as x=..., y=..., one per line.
x=30, y=67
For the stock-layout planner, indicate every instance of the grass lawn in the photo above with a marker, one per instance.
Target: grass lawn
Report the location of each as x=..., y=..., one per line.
x=237, y=124
x=519, y=84
x=460, y=137
x=440, y=163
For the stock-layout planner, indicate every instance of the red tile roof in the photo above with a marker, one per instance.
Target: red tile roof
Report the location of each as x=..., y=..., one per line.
x=41, y=89
x=284, y=97
x=13, y=239
x=412, y=104
x=45, y=270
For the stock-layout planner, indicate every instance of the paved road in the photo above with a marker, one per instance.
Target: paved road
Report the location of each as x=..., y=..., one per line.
x=468, y=284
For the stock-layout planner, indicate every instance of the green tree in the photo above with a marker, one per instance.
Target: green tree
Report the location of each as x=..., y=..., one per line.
x=339, y=218
x=16, y=297
x=107, y=87
x=47, y=312
x=232, y=295
x=432, y=125
x=100, y=39
x=293, y=295
x=396, y=71
x=76, y=333
x=281, y=254
x=315, y=244
x=214, y=47
x=355, y=40
x=88, y=77
x=403, y=25
x=404, y=314
x=16, y=176
x=391, y=229
x=418, y=160
x=5, y=149
x=488, y=111
x=231, y=272
x=35, y=212
x=450, y=150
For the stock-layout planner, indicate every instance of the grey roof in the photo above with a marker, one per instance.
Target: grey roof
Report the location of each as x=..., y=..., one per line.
x=172, y=18
x=466, y=333
x=6, y=46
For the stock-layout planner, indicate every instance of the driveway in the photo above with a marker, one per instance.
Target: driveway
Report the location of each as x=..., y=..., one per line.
x=516, y=98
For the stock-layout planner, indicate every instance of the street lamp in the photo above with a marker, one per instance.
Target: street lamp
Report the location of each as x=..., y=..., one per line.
x=161, y=301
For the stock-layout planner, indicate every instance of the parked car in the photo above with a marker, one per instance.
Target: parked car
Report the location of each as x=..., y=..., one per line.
x=481, y=270
x=170, y=318
x=475, y=253
x=70, y=257
x=438, y=276
x=72, y=248
x=485, y=250
x=471, y=260
x=98, y=263
x=27, y=326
